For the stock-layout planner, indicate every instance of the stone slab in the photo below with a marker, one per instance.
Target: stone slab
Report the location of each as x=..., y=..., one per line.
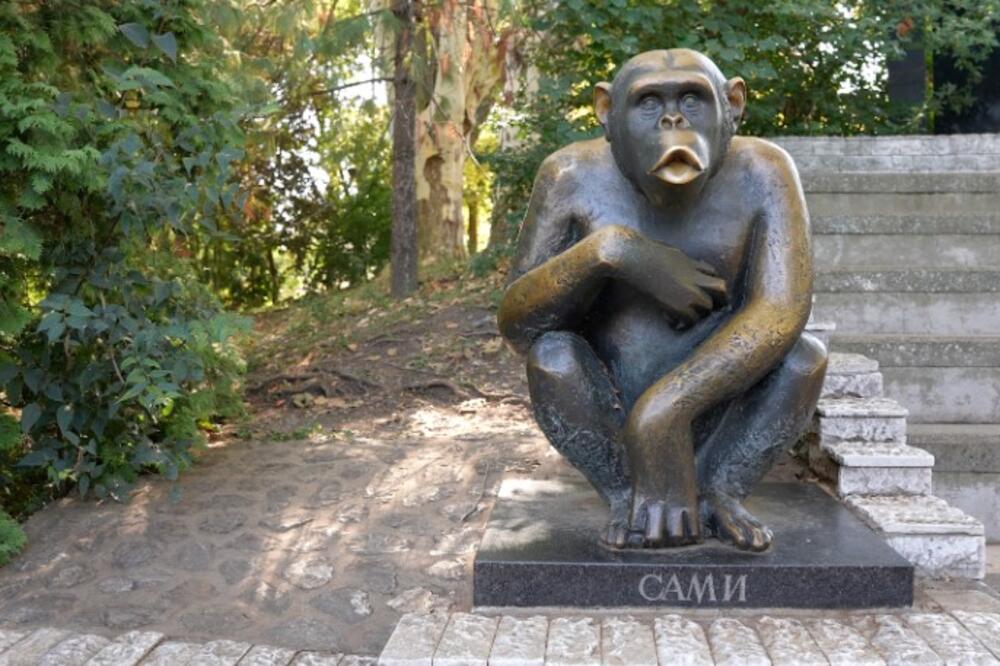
x=170, y=653
x=466, y=640
x=883, y=481
x=942, y=555
x=268, y=655
x=627, y=642
x=868, y=385
x=878, y=454
x=843, y=644
x=32, y=647
x=735, y=644
x=976, y=494
x=541, y=549
x=520, y=641
x=908, y=514
x=220, y=653
x=860, y=408
x=414, y=640
x=9, y=638
x=841, y=363
x=74, y=651
x=984, y=626
x=789, y=643
x=573, y=642
x=681, y=641
x=128, y=650
x=948, y=638
x=896, y=641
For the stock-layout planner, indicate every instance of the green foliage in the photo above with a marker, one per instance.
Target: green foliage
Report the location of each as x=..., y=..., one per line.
x=811, y=66
x=12, y=538
x=119, y=130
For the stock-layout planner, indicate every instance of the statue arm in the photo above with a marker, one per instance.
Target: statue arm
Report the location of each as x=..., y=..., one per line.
x=775, y=310
x=554, y=278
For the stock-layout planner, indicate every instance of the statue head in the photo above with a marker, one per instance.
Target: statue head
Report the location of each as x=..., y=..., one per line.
x=669, y=116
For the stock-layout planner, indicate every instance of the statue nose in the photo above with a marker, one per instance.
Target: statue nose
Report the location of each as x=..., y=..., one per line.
x=672, y=120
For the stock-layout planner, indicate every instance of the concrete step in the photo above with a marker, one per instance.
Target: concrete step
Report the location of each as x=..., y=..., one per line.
x=893, y=182
x=939, y=204
x=907, y=144
x=897, y=163
x=910, y=281
x=863, y=311
x=898, y=252
x=589, y=638
x=939, y=539
x=906, y=224
x=894, y=351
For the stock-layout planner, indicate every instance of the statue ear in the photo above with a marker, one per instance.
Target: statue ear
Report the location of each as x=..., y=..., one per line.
x=736, y=93
x=602, y=105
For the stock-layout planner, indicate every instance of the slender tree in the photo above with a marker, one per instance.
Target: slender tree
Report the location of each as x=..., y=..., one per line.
x=403, y=252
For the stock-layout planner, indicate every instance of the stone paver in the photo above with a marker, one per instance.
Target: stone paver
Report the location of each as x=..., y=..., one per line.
x=949, y=639
x=30, y=649
x=520, y=641
x=789, y=643
x=735, y=644
x=266, y=655
x=573, y=642
x=74, y=651
x=681, y=641
x=317, y=659
x=127, y=650
x=466, y=640
x=896, y=641
x=8, y=638
x=171, y=652
x=844, y=645
x=415, y=640
x=219, y=653
x=627, y=642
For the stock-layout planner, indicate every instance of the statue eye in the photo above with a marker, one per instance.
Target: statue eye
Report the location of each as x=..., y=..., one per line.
x=649, y=102
x=690, y=102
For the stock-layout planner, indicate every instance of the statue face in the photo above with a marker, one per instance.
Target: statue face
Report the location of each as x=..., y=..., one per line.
x=669, y=116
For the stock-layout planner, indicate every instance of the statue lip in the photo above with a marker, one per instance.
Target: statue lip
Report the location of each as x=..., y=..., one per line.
x=678, y=166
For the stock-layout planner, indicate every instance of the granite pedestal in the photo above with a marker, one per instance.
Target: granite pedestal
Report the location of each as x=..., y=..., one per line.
x=540, y=549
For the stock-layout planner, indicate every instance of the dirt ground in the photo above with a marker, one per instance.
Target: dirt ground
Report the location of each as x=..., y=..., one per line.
x=357, y=491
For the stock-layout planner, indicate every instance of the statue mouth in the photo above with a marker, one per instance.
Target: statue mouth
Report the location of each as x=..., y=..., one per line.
x=678, y=166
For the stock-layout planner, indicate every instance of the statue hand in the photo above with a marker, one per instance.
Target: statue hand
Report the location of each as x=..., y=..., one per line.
x=686, y=288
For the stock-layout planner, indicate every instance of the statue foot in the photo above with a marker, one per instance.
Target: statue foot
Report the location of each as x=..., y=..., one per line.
x=617, y=534
x=657, y=523
x=726, y=517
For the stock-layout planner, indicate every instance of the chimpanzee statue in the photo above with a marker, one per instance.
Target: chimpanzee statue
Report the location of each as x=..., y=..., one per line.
x=662, y=283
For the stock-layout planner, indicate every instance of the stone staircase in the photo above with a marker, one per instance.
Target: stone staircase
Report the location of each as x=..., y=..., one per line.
x=858, y=444
x=907, y=252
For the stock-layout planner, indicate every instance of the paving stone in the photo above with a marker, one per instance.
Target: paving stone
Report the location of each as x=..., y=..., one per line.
x=128, y=616
x=883, y=481
x=10, y=637
x=222, y=522
x=735, y=644
x=37, y=608
x=116, y=585
x=466, y=641
x=627, y=642
x=681, y=641
x=74, y=650
x=269, y=598
x=789, y=643
x=194, y=556
x=843, y=645
x=209, y=621
x=447, y=569
x=340, y=604
x=30, y=649
x=309, y=574
x=896, y=641
x=359, y=660
x=414, y=640
x=984, y=626
x=127, y=650
x=317, y=659
x=953, y=642
x=266, y=655
x=418, y=600
x=219, y=653
x=520, y=641
x=71, y=576
x=573, y=642
x=171, y=653
x=130, y=554
x=305, y=634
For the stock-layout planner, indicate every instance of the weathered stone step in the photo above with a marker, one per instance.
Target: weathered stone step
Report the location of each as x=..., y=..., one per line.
x=895, y=182
x=897, y=252
x=873, y=468
x=860, y=420
x=922, y=281
x=930, y=639
x=946, y=395
x=959, y=447
x=852, y=375
x=897, y=163
x=958, y=314
x=926, y=351
x=898, y=224
x=905, y=144
x=923, y=204
x=939, y=539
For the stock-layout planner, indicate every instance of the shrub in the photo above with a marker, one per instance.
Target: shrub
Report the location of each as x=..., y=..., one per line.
x=12, y=538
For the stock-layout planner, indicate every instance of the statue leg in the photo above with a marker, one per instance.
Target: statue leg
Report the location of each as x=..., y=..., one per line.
x=750, y=436
x=577, y=407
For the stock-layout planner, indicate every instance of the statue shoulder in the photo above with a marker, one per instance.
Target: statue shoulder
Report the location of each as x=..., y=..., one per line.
x=763, y=158
x=579, y=161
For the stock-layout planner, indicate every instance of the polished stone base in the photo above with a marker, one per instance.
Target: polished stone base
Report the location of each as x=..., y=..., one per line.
x=541, y=549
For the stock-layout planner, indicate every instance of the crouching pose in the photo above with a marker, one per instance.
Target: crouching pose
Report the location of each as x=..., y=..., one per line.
x=662, y=282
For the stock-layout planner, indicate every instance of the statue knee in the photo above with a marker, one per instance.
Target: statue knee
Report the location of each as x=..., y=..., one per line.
x=808, y=358
x=555, y=355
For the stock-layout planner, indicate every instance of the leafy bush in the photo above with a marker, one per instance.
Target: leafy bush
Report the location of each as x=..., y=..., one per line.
x=12, y=538
x=118, y=129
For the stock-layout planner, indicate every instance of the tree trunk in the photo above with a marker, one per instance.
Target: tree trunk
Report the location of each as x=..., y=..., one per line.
x=403, y=244
x=467, y=73
x=473, y=226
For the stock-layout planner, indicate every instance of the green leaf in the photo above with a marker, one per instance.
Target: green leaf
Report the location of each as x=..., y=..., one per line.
x=64, y=417
x=29, y=416
x=135, y=33
x=167, y=43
